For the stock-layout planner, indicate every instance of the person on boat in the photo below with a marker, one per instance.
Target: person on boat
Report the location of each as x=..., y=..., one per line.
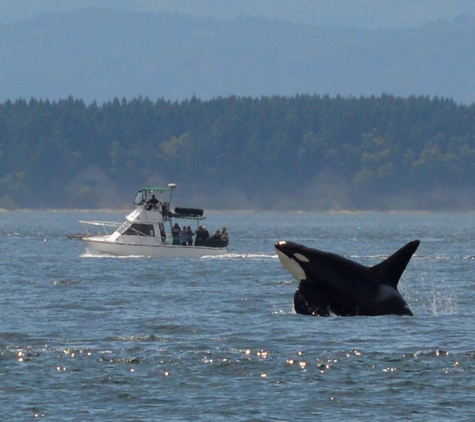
x=205, y=235
x=190, y=235
x=152, y=203
x=176, y=231
x=184, y=236
x=217, y=234
x=224, y=234
x=199, y=233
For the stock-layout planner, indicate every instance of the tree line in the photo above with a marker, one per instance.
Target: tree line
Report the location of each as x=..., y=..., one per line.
x=300, y=152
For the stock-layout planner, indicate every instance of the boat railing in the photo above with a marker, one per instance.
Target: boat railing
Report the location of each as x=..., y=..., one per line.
x=104, y=224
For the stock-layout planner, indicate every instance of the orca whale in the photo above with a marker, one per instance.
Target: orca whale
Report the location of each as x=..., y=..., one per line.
x=330, y=283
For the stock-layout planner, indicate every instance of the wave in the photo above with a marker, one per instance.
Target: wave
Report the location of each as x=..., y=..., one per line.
x=241, y=256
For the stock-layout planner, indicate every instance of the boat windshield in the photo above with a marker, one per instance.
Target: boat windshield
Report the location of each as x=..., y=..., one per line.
x=139, y=198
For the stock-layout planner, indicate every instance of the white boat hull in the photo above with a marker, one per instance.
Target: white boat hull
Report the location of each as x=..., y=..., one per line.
x=97, y=245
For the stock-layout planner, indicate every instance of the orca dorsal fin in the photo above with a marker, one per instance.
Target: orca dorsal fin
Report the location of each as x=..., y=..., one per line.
x=390, y=270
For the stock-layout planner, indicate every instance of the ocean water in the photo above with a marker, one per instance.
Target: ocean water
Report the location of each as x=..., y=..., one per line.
x=88, y=338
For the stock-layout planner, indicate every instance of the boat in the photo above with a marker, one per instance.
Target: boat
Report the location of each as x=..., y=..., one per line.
x=148, y=230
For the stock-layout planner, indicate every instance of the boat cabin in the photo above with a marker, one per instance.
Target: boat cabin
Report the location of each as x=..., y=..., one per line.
x=153, y=212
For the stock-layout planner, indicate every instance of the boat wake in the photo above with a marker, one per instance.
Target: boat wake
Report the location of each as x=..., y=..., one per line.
x=96, y=255
x=224, y=256
x=240, y=256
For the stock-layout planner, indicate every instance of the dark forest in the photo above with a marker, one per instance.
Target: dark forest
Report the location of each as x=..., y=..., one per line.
x=270, y=153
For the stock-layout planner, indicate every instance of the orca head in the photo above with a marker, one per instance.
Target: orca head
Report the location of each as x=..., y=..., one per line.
x=292, y=256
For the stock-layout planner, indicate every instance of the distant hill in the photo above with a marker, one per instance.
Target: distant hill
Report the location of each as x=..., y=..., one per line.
x=369, y=14
x=98, y=54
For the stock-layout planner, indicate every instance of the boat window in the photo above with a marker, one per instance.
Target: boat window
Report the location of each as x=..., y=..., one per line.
x=137, y=229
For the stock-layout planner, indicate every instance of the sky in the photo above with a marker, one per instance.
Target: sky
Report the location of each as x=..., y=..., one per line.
x=39, y=63
x=353, y=13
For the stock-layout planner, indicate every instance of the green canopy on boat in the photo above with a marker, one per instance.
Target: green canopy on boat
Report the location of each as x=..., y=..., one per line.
x=144, y=194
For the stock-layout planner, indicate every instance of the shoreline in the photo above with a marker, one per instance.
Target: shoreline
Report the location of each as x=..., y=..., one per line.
x=244, y=211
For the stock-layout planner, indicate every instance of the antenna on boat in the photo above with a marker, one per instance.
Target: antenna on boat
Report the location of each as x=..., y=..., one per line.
x=171, y=186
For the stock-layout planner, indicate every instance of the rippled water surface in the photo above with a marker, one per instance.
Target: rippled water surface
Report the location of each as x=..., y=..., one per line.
x=87, y=338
